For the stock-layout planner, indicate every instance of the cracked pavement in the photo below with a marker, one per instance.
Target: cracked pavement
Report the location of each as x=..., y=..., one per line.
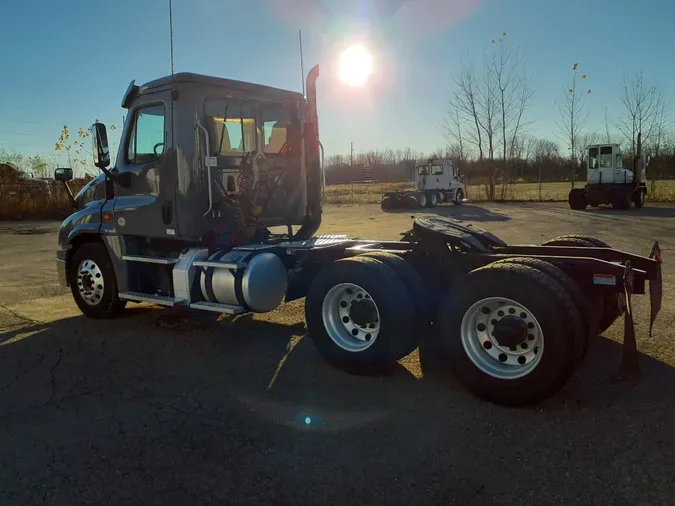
x=206, y=411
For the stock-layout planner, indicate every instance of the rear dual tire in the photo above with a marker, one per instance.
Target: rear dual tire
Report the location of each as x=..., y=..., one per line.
x=606, y=309
x=365, y=313
x=487, y=302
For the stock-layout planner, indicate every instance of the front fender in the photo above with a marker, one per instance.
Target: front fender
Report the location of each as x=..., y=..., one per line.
x=85, y=221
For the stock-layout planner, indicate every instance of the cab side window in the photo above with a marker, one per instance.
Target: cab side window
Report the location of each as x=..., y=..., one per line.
x=437, y=170
x=146, y=142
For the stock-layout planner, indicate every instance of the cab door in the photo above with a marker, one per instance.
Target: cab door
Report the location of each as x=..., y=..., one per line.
x=453, y=176
x=144, y=186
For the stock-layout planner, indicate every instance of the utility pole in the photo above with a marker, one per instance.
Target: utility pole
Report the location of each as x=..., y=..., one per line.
x=302, y=63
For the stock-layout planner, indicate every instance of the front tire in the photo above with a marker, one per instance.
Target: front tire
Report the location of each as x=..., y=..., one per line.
x=93, y=282
x=459, y=197
x=577, y=199
x=354, y=315
x=639, y=198
x=532, y=356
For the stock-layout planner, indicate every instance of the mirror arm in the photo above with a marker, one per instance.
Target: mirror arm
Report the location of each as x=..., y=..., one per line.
x=70, y=194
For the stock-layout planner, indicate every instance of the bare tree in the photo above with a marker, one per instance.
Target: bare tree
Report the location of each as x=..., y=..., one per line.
x=513, y=95
x=608, y=137
x=659, y=134
x=544, y=150
x=643, y=106
x=453, y=132
x=486, y=110
x=572, y=116
x=464, y=103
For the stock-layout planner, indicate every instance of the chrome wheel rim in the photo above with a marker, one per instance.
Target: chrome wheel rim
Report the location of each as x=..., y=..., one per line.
x=434, y=199
x=351, y=317
x=522, y=341
x=90, y=284
x=423, y=200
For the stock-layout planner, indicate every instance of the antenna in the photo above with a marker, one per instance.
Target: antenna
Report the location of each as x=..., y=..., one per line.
x=302, y=63
x=171, y=35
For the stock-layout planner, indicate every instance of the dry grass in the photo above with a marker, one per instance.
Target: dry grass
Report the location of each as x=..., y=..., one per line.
x=371, y=193
x=23, y=201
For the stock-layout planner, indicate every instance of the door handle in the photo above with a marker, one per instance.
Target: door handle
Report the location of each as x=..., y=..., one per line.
x=167, y=213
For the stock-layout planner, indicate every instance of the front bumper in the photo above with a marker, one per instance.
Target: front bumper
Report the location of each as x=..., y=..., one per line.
x=61, y=267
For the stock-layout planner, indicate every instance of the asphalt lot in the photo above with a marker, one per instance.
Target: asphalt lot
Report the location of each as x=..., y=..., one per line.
x=161, y=408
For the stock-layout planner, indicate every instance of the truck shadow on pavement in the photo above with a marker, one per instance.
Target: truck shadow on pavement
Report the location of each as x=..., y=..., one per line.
x=465, y=212
x=225, y=404
x=645, y=212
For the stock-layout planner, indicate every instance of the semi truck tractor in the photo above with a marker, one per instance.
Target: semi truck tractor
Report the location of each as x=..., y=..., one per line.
x=214, y=201
x=437, y=180
x=609, y=183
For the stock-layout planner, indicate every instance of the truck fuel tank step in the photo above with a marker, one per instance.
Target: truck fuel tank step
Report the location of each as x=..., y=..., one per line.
x=150, y=260
x=218, y=308
x=162, y=300
x=218, y=265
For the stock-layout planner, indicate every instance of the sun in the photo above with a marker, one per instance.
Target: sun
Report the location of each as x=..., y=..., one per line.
x=356, y=65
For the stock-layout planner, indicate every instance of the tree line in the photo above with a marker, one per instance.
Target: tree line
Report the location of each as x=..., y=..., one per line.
x=487, y=128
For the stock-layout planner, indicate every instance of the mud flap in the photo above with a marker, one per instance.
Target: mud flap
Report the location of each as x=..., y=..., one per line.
x=629, y=360
x=655, y=286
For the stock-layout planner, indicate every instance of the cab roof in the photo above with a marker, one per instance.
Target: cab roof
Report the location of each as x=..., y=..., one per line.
x=229, y=84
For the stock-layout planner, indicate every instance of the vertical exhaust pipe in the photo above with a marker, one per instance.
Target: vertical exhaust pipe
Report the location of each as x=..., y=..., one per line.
x=312, y=160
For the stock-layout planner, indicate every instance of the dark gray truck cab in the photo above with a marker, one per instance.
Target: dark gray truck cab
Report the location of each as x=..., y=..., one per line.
x=178, y=178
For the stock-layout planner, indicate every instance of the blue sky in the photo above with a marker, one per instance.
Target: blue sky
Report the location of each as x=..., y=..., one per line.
x=67, y=63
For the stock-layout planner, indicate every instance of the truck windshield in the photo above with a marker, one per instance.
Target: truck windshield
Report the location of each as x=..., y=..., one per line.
x=593, y=158
x=605, y=158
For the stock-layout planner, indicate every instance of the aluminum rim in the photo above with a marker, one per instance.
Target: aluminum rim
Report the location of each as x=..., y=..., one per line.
x=433, y=199
x=423, y=200
x=341, y=306
x=484, y=350
x=90, y=282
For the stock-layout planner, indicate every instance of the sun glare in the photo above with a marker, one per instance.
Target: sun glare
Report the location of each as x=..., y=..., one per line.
x=356, y=65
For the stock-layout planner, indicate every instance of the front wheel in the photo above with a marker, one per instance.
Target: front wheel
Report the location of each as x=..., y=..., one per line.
x=639, y=198
x=93, y=282
x=577, y=199
x=459, y=197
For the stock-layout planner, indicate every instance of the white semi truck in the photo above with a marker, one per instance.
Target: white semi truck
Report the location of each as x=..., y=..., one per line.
x=609, y=182
x=436, y=180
